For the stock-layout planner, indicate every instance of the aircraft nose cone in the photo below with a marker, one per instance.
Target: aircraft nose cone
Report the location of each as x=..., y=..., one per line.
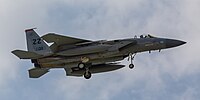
x=173, y=43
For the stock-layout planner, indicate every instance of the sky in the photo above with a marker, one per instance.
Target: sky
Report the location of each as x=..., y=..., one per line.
x=172, y=74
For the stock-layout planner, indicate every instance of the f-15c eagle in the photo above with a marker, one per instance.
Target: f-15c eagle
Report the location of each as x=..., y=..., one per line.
x=81, y=57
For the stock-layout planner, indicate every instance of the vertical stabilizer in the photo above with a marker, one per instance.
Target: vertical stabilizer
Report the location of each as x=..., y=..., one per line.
x=35, y=43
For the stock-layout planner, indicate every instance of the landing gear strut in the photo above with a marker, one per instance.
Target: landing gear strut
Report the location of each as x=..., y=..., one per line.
x=87, y=74
x=84, y=64
x=131, y=58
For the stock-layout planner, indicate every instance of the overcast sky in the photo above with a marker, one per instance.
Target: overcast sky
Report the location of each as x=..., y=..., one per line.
x=172, y=74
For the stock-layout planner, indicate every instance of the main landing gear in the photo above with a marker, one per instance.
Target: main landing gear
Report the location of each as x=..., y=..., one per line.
x=131, y=58
x=87, y=74
x=85, y=65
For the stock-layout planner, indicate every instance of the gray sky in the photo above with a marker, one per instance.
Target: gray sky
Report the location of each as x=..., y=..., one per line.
x=170, y=75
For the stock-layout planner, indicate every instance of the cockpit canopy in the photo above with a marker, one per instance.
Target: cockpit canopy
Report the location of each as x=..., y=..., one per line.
x=145, y=36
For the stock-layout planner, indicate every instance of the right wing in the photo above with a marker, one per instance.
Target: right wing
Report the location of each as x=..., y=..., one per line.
x=60, y=39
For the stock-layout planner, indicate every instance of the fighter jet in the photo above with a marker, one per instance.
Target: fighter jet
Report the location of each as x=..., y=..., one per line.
x=82, y=57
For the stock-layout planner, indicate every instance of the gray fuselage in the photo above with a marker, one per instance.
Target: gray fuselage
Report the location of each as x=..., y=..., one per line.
x=68, y=56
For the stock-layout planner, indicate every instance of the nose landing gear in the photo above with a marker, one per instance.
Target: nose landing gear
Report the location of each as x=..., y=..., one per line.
x=131, y=66
x=131, y=58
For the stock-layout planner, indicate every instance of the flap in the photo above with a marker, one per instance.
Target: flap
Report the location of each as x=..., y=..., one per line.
x=37, y=72
x=60, y=39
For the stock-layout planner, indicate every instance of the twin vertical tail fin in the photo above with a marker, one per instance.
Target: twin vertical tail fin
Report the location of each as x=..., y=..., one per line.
x=35, y=43
x=36, y=47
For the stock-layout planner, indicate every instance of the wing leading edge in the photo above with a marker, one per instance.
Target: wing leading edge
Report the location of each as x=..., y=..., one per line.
x=60, y=39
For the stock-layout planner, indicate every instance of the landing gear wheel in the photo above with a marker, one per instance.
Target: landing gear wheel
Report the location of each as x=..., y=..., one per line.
x=87, y=75
x=131, y=58
x=131, y=66
x=81, y=65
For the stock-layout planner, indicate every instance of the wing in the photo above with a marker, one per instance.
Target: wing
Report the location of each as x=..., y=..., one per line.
x=93, y=69
x=60, y=39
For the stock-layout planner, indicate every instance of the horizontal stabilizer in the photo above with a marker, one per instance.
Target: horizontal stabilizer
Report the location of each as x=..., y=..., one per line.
x=26, y=54
x=37, y=72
